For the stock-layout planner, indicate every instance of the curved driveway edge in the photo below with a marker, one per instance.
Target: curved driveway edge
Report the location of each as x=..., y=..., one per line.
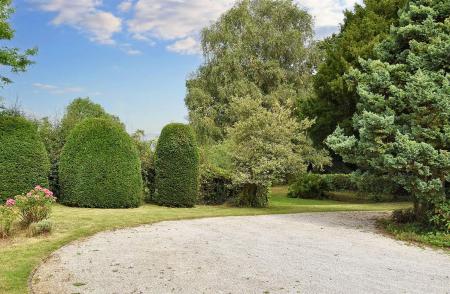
x=300, y=253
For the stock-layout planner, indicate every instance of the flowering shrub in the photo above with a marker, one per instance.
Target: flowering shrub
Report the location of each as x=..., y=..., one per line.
x=7, y=216
x=35, y=205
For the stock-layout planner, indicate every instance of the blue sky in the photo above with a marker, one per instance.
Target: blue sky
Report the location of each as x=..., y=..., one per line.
x=131, y=56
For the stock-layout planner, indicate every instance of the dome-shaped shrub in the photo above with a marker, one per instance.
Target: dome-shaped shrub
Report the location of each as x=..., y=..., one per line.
x=100, y=167
x=24, y=161
x=176, y=164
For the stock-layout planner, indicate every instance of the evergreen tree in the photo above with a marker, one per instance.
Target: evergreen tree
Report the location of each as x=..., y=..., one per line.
x=403, y=118
x=335, y=100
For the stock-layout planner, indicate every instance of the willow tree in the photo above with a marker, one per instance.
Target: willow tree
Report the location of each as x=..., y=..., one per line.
x=259, y=61
x=258, y=47
x=403, y=118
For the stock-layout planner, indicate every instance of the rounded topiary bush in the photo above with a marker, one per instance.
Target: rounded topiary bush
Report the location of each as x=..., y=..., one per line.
x=176, y=165
x=24, y=161
x=100, y=167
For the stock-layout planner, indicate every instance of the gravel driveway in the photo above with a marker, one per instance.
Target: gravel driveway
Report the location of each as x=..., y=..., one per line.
x=301, y=253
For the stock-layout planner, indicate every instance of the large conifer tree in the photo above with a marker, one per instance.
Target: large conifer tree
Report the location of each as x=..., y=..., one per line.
x=403, y=118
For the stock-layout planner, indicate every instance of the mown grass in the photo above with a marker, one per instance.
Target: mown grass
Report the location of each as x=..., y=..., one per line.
x=20, y=255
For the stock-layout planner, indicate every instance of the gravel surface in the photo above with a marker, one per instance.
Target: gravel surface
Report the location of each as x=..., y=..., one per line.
x=301, y=253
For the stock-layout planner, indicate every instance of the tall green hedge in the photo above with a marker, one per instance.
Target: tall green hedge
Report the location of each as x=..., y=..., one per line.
x=177, y=162
x=100, y=167
x=24, y=161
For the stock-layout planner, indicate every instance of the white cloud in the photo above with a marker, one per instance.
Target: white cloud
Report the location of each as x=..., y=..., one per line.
x=175, y=20
x=85, y=16
x=56, y=89
x=128, y=49
x=180, y=21
x=327, y=13
x=44, y=86
x=125, y=6
x=185, y=46
x=133, y=52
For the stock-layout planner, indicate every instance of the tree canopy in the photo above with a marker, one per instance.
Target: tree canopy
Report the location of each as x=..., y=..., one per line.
x=258, y=47
x=403, y=118
x=259, y=61
x=335, y=100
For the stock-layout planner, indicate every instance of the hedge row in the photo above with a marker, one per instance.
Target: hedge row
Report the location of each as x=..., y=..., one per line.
x=23, y=158
x=177, y=167
x=363, y=186
x=100, y=167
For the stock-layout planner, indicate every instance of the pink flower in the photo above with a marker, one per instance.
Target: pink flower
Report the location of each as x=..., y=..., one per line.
x=38, y=187
x=48, y=192
x=10, y=202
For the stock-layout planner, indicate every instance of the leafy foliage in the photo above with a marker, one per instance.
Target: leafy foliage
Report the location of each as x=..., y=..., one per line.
x=177, y=167
x=335, y=101
x=7, y=216
x=216, y=181
x=23, y=159
x=79, y=110
x=216, y=186
x=259, y=47
x=100, y=167
x=415, y=232
x=34, y=206
x=403, y=118
x=341, y=182
x=259, y=60
x=308, y=185
x=11, y=58
x=146, y=154
x=266, y=145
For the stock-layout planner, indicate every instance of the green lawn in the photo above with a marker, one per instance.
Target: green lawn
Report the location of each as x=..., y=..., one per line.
x=20, y=255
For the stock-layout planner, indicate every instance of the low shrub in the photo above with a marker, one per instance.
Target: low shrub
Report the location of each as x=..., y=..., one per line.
x=308, y=185
x=8, y=215
x=43, y=227
x=440, y=216
x=403, y=216
x=34, y=206
x=340, y=182
x=216, y=186
x=377, y=185
x=23, y=159
x=100, y=167
x=251, y=195
x=177, y=167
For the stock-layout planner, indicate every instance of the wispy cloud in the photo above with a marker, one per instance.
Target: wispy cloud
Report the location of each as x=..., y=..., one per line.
x=56, y=89
x=176, y=21
x=181, y=21
x=125, y=6
x=185, y=46
x=84, y=15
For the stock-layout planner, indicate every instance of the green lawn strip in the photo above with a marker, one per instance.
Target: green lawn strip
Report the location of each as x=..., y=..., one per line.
x=414, y=233
x=19, y=256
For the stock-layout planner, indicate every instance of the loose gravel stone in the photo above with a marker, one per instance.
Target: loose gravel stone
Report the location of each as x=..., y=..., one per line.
x=301, y=253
